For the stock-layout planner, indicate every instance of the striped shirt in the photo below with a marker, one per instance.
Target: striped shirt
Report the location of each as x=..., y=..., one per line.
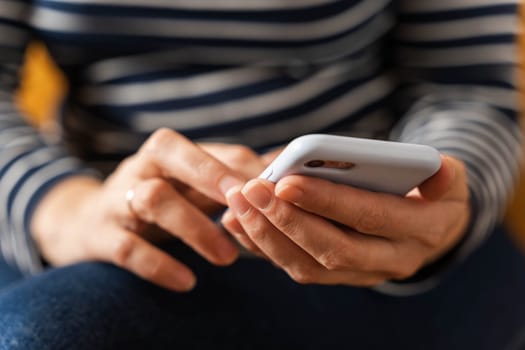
x=260, y=72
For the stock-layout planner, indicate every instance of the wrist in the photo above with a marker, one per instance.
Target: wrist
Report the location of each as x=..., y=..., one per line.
x=59, y=204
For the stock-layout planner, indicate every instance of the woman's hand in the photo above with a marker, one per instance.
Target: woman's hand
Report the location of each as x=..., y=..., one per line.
x=173, y=184
x=326, y=233
x=241, y=159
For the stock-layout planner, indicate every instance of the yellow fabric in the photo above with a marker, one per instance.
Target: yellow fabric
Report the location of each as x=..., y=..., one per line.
x=43, y=86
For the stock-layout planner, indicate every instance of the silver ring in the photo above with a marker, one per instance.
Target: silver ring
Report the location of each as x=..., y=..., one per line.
x=130, y=194
x=134, y=224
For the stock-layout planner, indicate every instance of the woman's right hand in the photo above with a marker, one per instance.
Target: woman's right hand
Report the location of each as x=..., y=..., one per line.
x=82, y=219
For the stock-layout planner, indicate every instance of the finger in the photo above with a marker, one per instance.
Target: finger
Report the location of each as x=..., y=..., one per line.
x=169, y=154
x=134, y=254
x=439, y=184
x=239, y=158
x=459, y=190
x=299, y=265
x=334, y=248
x=156, y=201
x=279, y=248
x=200, y=201
x=232, y=225
x=367, y=212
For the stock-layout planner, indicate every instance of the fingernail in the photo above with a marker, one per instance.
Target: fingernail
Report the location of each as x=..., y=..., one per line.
x=227, y=216
x=237, y=202
x=187, y=279
x=289, y=193
x=258, y=195
x=228, y=182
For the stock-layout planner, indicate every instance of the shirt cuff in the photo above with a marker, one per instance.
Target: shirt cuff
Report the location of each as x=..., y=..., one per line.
x=25, y=180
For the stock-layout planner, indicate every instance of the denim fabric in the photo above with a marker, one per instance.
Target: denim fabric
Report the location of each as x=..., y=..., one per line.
x=8, y=274
x=252, y=305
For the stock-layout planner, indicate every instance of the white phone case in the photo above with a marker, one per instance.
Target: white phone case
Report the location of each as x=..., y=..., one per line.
x=380, y=166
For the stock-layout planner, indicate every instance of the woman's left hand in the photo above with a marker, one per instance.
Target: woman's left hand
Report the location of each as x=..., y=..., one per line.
x=326, y=233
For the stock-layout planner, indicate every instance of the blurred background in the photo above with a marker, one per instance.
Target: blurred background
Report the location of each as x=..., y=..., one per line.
x=43, y=87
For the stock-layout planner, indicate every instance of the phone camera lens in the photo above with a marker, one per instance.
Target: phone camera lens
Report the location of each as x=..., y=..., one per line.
x=315, y=164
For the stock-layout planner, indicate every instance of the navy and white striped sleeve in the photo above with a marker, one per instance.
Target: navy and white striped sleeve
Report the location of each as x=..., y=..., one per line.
x=458, y=64
x=28, y=165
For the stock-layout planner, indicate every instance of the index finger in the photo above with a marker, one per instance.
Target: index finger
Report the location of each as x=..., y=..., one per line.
x=174, y=156
x=239, y=158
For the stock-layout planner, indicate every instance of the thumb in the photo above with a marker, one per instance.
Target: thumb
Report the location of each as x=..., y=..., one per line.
x=437, y=186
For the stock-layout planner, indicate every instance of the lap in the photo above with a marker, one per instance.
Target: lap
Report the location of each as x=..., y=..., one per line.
x=8, y=274
x=253, y=305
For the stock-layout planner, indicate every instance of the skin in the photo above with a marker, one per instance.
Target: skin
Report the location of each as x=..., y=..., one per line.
x=325, y=233
x=83, y=219
x=317, y=231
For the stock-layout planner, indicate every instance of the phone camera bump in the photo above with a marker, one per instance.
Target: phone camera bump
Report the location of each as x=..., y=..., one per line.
x=315, y=164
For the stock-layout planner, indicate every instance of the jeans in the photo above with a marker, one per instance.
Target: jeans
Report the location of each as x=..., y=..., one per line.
x=253, y=305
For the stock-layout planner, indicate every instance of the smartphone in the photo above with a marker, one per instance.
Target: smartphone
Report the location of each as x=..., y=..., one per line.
x=380, y=166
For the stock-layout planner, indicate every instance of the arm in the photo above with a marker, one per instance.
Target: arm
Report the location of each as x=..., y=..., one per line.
x=29, y=166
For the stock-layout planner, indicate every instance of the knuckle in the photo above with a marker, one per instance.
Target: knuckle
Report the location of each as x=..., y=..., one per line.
x=122, y=250
x=335, y=260
x=149, y=196
x=371, y=218
x=303, y=275
x=257, y=232
x=158, y=140
x=349, y=255
x=254, y=226
x=285, y=220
